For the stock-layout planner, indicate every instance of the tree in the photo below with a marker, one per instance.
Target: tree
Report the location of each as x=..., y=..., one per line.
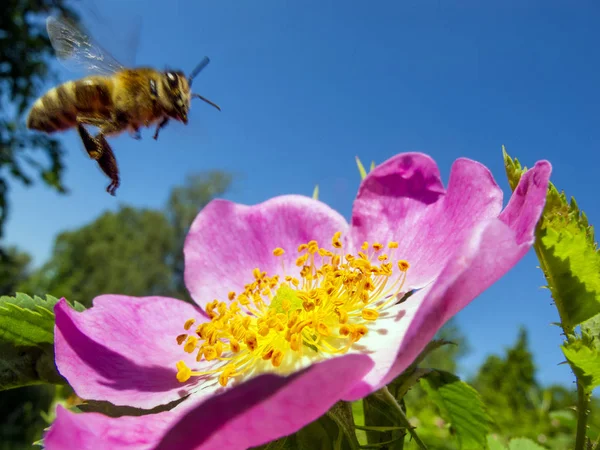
x=132, y=252
x=127, y=252
x=511, y=379
x=14, y=270
x=24, y=66
x=518, y=403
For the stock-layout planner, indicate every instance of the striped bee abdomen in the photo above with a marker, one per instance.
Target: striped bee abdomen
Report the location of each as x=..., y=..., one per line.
x=60, y=107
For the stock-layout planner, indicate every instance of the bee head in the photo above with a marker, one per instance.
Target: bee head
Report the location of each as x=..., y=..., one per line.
x=177, y=92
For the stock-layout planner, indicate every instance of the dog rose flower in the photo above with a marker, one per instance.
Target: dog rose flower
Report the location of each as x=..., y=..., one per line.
x=297, y=309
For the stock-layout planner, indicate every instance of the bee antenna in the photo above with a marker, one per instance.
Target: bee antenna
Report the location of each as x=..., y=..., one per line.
x=207, y=101
x=198, y=69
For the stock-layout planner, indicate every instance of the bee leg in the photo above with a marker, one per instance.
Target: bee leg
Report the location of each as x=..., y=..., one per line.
x=162, y=124
x=90, y=144
x=108, y=164
x=136, y=134
x=99, y=149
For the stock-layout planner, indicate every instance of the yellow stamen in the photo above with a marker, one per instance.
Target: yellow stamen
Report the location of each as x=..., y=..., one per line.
x=277, y=319
x=183, y=372
x=181, y=338
x=403, y=265
x=369, y=314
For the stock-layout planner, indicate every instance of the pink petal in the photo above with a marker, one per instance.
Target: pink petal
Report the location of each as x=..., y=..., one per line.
x=227, y=241
x=94, y=431
x=403, y=200
x=491, y=251
x=267, y=407
x=260, y=410
x=124, y=349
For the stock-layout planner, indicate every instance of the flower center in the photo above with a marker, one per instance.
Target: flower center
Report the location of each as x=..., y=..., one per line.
x=275, y=324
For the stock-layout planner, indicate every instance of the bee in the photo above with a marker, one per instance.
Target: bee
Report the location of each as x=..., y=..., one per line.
x=112, y=97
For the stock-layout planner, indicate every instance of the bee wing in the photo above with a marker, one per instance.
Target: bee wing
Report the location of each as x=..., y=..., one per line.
x=78, y=51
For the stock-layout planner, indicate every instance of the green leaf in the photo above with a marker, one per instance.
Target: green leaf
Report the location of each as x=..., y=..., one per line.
x=332, y=431
x=566, y=417
x=361, y=169
x=316, y=193
x=591, y=328
x=26, y=321
x=461, y=406
x=341, y=414
x=494, y=443
x=567, y=253
x=372, y=166
x=386, y=422
x=26, y=341
x=523, y=444
x=584, y=358
x=379, y=416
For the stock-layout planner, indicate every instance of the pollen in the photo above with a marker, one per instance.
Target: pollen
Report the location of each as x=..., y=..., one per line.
x=280, y=321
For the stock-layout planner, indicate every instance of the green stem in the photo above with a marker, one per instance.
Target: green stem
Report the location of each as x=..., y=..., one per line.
x=582, y=396
x=582, y=416
x=403, y=419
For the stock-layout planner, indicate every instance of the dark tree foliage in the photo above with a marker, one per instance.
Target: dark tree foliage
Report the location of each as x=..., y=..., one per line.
x=131, y=252
x=127, y=252
x=14, y=270
x=25, y=54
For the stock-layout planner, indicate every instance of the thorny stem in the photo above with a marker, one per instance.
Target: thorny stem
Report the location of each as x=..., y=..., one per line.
x=403, y=419
x=582, y=397
x=582, y=415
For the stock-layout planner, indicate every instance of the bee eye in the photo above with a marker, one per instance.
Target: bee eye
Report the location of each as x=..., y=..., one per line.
x=172, y=79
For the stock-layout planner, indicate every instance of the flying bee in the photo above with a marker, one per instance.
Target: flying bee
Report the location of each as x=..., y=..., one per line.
x=112, y=97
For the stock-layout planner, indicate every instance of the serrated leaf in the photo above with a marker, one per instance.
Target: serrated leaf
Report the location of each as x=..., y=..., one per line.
x=27, y=321
x=584, y=358
x=26, y=341
x=494, y=443
x=567, y=253
x=461, y=406
x=523, y=444
x=316, y=193
x=361, y=169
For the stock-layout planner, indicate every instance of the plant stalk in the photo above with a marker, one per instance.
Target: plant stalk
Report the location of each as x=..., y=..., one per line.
x=582, y=416
x=405, y=423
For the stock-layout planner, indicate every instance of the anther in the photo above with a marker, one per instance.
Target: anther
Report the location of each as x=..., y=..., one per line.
x=188, y=324
x=403, y=265
x=181, y=338
x=369, y=314
x=183, y=372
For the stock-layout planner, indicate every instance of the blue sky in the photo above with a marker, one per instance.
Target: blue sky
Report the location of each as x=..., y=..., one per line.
x=307, y=86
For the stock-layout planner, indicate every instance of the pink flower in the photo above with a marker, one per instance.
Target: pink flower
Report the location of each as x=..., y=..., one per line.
x=298, y=324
